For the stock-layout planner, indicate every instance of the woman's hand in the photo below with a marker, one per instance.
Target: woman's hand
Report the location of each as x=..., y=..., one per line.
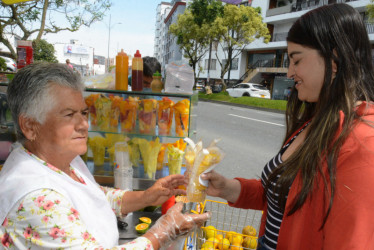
x=174, y=224
x=163, y=189
x=220, y=186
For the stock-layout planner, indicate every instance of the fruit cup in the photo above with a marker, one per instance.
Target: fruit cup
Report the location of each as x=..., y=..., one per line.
x=147, y=116
x=182, y=115
x=165, y=116
x=90, y=102
x=98, y=152
x=128, y=109
x=115, y=112
x=103, y=107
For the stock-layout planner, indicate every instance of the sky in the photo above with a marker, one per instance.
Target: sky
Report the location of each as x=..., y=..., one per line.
x=132, y=28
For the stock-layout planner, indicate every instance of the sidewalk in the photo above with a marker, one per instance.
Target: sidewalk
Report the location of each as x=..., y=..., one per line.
x=243, y=106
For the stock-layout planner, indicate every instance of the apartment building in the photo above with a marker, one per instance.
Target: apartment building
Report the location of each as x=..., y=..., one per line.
x=163, y=10
x=267, y=63
x=259, y=62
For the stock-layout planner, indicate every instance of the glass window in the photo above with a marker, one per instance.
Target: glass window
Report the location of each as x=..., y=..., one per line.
x=212, y=64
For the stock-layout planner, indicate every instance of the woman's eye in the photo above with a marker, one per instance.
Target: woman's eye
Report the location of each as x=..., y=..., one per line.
x=296, y=62
x=85, y=113
x=70, y=114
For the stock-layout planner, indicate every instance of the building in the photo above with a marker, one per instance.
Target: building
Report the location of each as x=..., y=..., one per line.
x=163, y=10
x=262, y=63
x=171, y=50
x=80, y=56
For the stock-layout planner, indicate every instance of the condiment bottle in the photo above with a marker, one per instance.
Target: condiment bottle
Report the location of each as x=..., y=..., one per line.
x=156, y=84
x=137, y=72
x=122, y=71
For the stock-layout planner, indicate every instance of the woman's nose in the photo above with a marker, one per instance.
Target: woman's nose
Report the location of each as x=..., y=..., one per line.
x=83, y=122
x=290, y=72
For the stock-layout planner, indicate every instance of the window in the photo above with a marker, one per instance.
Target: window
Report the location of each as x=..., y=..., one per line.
x=212, y=64
x=234, y=63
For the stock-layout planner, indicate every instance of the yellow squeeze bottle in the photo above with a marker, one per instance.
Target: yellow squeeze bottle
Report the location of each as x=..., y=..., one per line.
x=122, y=71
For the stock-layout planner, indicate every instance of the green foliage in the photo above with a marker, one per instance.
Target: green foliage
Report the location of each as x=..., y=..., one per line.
x=2, y=64
x=48, y=16
x=193, y=29
x=247, y=101
x=205, y=11
x=370, y=10
x=238, y=27
x=43, y=51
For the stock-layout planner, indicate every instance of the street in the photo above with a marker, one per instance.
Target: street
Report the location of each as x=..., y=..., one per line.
x=249, y=137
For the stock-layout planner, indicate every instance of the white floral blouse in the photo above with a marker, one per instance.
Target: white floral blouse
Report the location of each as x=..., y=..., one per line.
x=44, y=219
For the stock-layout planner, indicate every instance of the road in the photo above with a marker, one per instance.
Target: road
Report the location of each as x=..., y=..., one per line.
x=249, y=137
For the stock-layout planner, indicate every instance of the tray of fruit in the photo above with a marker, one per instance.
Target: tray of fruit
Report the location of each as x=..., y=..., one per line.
x=228, y=228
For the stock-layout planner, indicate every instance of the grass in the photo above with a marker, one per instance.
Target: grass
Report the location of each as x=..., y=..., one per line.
x=249, y=101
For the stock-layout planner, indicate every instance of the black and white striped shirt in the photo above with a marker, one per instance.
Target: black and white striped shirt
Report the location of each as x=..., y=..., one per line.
x=274, y=215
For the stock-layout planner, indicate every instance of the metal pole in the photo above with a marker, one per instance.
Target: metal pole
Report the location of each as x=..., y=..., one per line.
x=108, y=60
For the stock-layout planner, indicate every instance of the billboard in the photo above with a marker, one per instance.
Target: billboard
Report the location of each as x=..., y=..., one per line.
x=76, y=49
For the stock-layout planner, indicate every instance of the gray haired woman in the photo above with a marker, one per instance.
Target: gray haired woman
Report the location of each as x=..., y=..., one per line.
x=48, y=198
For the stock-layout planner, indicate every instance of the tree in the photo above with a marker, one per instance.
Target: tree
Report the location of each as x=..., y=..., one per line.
x=2, y=64
x=43, y=51
x=370, y=10
x=47, y=16
x=193, y=31
x=238, y=27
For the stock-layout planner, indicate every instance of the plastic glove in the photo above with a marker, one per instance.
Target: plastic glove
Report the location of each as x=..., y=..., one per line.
x=174, y=224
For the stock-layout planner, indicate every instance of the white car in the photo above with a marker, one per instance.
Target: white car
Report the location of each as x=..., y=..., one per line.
x=249, y=89
x=10, y=64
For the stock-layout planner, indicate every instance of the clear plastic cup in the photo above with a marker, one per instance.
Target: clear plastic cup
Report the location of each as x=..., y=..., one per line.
x=123, y=178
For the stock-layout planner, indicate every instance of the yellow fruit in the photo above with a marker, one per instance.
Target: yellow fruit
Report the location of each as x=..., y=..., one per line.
x=207, y=245
x=210, y=231
x=236, y=247
x=249, y=230
x=219, y=237
x=250, y=242
x=237, y=239
x=229, y=235
x=224, y=244
x=214, y=240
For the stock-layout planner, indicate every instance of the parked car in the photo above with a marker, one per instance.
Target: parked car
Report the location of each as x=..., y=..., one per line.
x=216, y=88
x=10, y=64
x=249, y=89
x=200, y=86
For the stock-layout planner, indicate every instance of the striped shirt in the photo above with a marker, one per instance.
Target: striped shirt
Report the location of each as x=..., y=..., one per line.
x=274, y=214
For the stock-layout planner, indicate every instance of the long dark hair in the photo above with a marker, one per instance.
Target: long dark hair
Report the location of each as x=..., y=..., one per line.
x=338, y=33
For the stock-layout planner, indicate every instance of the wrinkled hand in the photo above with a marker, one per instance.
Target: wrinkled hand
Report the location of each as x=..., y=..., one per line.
x=163, y=189
x=174, y=224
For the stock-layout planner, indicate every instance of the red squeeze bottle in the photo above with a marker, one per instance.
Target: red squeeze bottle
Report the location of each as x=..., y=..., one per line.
x=167, y=204
x=137, y=72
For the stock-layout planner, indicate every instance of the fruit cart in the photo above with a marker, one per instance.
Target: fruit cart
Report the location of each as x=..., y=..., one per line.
x=228, y=228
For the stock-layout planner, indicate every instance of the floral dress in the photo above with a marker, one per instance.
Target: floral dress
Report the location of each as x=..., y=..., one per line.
x=44, y=219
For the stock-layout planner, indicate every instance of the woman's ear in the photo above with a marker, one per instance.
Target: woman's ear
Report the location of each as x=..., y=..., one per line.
x=28, y=127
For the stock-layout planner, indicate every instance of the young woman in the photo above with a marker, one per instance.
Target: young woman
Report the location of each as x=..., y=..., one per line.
x=317, y=192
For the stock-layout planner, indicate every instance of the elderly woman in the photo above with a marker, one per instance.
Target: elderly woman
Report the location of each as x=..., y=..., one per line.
x=48, y=197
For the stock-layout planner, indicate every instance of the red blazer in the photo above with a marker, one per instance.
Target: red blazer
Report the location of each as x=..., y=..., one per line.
x=350, y=224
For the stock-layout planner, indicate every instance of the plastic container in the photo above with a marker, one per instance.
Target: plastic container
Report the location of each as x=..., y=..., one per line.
x=122, y=71
x=123, y=172
x=137, y=72
x=156, y=84
x=147, y=113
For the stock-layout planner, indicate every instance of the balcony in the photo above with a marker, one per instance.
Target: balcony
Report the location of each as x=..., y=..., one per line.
x=301, y=5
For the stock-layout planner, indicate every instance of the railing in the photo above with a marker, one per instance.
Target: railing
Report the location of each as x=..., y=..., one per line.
x=277, y=37
x=275, y=63
x=369, y=26
x=311, y=4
